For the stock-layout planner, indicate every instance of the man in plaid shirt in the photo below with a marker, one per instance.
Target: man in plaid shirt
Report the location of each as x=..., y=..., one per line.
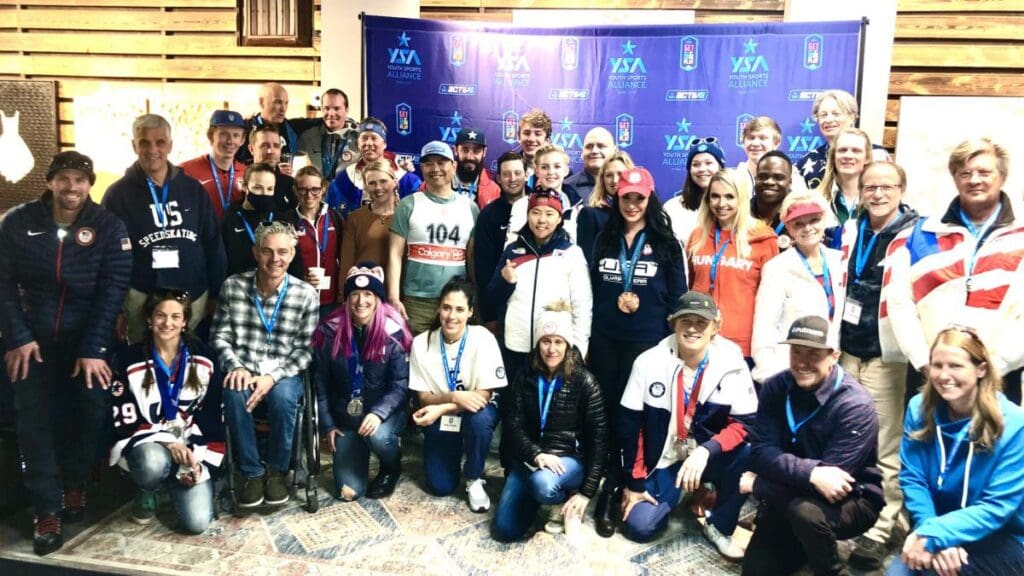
x=261, y=332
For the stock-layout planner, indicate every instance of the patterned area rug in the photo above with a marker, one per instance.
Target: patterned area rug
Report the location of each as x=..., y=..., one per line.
x=407, y=533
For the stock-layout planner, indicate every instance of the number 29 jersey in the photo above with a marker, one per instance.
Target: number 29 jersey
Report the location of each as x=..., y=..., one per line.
x=437, y=232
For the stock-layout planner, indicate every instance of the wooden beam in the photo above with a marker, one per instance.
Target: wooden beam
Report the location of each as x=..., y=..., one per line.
x=496, y=16
x=180, y=68
x=958, y=6
x=131, y=3
x=961, y=26
x=152, y=43
x=716, y=17
x=138, y=20
x=892, y=110
x=8, y=17
x=761, y=5
x=903, y=83
x=71, y=88
x=957, y=55
x=889, y=137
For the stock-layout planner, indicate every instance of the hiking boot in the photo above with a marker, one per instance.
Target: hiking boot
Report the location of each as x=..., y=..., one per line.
x=867, y=553
x=47, y=536
x=144, y=507
x=74, y=505
x=479, y=501
x=384, y=484
x=277, y=489
x=251, y=494
x=554, y=524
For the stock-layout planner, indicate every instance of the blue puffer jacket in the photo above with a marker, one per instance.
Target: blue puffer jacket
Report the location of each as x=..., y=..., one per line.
x=385, y=383
x=69, y=284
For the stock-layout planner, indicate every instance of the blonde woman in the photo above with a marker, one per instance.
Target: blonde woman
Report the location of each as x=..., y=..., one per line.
x=594, y=215
x=850, y=153
x=726, y=253
x=962, y=454
x=364, y=237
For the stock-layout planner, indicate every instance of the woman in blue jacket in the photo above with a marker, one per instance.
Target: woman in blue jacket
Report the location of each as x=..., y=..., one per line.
x=962, y=456
x=361, y=374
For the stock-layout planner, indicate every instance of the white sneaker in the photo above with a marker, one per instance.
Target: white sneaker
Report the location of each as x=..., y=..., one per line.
x=479, y=501
x=722, y=542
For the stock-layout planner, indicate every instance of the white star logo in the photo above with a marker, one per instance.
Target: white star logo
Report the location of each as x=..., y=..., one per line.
x=471, y=134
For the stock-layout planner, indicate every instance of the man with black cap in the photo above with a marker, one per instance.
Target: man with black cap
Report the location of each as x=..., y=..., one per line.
x=431, y=233
x=813, y=459
x=64, y=273
x=471, y=176
x=684, y=418
x=219, y=173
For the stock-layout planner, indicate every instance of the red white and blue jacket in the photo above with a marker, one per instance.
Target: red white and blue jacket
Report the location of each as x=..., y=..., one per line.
x=927, y=287
x=726, y=406
x=138, y=413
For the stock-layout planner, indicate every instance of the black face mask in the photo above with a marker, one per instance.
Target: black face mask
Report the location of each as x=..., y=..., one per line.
x=261, y=203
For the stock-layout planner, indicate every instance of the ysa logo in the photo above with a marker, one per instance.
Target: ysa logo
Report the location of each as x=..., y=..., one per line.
x=451, y=131
x=806, y=141
x=404, y=63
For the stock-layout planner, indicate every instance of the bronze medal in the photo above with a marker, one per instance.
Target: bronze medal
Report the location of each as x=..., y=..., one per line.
x=355, y=407
x=629, y=302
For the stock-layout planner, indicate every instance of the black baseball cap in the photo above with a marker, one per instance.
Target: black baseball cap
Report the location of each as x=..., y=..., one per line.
x=810, y=331
x=696, y=303
x=71, y=160
x=471, y=136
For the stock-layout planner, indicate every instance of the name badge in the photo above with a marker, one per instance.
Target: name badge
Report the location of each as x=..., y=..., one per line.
x=851, y=311
x=269, y=365
x=165, y=258
x=451, y=423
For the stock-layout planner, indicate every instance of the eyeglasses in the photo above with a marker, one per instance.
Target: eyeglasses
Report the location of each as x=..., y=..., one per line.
x=699, y=141
x=887, y=188
x=312, y=190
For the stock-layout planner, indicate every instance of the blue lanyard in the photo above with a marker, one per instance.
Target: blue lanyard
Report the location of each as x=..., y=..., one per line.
x=471, y=192
x=327, y=161
x=795, y=426
x=167, y=383
x=827, y=284
x=716, y=259
x=452, y=375
x=779, y=228
x=863, y=253
x=269, y=325
x=545, y=392
x=225, y=198
x=160, y=204
x=978, y=233
x=850, y=210
x=355, y=369
x=248, y=228
x=957, y=441
x=629, y=267
x=323, y=239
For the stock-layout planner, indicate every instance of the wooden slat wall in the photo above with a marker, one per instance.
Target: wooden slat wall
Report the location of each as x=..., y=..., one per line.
x=140, y=45
x=706, y=11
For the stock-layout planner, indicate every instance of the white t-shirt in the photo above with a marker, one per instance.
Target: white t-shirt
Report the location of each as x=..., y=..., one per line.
x=481, y=368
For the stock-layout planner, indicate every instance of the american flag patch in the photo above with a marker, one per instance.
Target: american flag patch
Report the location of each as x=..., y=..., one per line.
x=126, y=244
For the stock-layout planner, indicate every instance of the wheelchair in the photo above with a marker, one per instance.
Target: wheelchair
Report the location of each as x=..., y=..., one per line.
x=305, y=456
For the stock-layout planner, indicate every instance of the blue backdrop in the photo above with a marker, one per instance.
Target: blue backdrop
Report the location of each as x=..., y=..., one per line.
x=655, y=88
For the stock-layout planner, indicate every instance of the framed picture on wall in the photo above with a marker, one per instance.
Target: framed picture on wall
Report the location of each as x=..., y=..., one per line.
x=28, y=138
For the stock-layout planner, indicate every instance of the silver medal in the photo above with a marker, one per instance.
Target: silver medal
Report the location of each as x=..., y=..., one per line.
x=355, y=407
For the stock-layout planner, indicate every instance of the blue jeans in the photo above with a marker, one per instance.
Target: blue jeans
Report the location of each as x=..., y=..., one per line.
x=525, y=491
x=282, y=404
x=442, y=451
x=999, y=553
x=352, y=453
x=151, y=466
x=646, y=520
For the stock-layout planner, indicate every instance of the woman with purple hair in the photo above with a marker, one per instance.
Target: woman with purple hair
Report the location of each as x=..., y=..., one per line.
x=361, y=373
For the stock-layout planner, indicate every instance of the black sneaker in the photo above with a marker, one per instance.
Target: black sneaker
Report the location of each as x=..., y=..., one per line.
x=74, y=505
x=868, y=554
x=251, y=494
x=384, y=484
x=47, y=537
x=277, y=489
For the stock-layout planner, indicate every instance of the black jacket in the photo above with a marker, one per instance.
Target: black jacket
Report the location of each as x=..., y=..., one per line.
x=238, y=244
x=576, y=424
x=53, y=288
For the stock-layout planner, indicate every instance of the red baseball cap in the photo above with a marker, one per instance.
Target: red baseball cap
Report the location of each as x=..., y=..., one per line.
x=637, y=180
x=802, y=209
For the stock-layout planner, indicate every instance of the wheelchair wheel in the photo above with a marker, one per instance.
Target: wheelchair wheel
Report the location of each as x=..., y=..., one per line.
x=312, y=499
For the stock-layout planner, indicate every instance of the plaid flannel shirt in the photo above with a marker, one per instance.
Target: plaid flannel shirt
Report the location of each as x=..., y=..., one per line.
x=240, y=339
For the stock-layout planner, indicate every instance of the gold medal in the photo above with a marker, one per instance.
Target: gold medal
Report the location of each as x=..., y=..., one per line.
x=629, y=302
x=355, y=407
